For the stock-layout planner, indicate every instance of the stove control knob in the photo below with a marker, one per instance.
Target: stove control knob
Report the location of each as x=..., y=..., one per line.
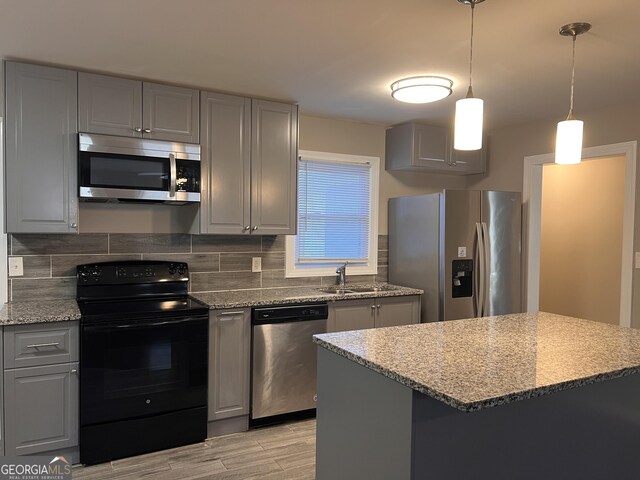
x=182, y=270
x=96, y=272
x=172, y=269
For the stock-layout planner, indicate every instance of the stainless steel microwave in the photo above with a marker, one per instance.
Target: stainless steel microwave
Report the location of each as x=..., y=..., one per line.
x=137, y=170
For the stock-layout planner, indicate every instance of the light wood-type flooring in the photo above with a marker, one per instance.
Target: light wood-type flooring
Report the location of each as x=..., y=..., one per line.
x=283, y=452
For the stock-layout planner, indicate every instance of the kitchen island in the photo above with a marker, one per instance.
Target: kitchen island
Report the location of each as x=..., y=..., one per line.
x=523, y=396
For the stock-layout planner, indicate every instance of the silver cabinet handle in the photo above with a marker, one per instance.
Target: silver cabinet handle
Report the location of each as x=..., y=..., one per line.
x=378, y=307
x=255, y=228
x=74, y=225
x=41, y=345
x=231, y=313
x=247, y=227
x=173, y=175
x=137, y=130
x=74, y=371
x=373, y=307
x=147, y=130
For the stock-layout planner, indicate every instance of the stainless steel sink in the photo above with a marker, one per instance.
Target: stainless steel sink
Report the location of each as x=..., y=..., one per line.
x=337, y=290
x=357, y=289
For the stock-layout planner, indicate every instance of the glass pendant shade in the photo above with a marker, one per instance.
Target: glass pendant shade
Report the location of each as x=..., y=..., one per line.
x=569, y=142
x=468, y=124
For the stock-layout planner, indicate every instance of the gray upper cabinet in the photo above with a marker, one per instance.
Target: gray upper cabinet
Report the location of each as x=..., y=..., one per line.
x=226, y=164
x=274, y=153
x=109, y=105
x=131, y=108
x=170, y=113
x=229, y=356
x=249, y=159
x=41, y=149
x=417, y=147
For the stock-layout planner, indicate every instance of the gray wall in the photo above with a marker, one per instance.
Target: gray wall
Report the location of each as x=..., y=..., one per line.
x=508, y=147
x=341, y=136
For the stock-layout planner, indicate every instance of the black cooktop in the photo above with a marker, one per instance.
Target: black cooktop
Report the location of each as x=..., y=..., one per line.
x=135, y=289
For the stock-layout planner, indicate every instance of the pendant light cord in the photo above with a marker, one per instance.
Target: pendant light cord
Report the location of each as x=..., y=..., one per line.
x=573, y=79
x=471, y=49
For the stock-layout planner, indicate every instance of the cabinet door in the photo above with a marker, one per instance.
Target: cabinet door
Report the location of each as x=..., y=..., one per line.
x=41, y=408
x=431, y=147
x=41, y=149
x=109, y=105
x=469, y=162
x=274, y=153
x=229, y=343
x=394, y=311
x=226, y=162
x=171, y=113
x=351, y=315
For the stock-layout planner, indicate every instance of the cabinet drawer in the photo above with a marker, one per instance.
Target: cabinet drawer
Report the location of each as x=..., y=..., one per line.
x=40, y=344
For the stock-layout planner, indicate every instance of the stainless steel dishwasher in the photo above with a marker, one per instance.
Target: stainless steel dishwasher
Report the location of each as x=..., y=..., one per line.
x=283, y=373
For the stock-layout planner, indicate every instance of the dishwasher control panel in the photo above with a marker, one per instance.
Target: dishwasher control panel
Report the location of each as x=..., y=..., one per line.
x=290, y=313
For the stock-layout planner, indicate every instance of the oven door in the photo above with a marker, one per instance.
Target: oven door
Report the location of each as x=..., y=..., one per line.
x=143, y=367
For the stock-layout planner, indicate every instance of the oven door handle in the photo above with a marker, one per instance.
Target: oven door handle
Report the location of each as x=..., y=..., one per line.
x=140, y=324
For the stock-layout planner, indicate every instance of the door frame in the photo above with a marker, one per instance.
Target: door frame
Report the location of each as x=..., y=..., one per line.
x=532, y=221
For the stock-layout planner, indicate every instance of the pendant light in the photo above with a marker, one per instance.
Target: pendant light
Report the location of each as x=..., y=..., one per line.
x=469, y=111
x=569, y=134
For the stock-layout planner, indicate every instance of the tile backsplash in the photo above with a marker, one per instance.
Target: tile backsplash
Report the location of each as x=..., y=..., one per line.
x=216, y=262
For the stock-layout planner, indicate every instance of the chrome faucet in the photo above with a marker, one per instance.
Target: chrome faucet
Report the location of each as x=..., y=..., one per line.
x=342, y=274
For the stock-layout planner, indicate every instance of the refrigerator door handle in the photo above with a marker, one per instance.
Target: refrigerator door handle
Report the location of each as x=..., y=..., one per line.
x=486, y=282
x=479, y=274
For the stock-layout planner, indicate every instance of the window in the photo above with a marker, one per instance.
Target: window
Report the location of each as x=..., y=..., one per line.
x=337, y=215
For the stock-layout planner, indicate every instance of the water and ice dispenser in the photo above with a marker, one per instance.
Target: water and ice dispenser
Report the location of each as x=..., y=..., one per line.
x=462, y=278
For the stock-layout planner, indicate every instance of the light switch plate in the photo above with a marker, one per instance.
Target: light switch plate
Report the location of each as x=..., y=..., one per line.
x=462, y=252
x=256, y=264
x=637, y=259
x=15, y=267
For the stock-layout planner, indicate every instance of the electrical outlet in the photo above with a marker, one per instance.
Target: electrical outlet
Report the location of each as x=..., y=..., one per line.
x=15, y=267
x=256, y=264
x=462, y=252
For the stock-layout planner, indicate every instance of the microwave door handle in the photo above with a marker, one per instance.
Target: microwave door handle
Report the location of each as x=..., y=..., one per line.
x=173, y=175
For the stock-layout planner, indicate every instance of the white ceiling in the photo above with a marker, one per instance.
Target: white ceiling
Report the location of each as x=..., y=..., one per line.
x=337, y=58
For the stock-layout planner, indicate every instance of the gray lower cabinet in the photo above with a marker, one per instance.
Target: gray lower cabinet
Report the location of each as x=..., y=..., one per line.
x=373, y=313
x=249, y=160
x=427, y=148
x=351, y=315
x=395, y=311
x=132, y=108
x=41, y=149
x=41, y=408
x=41, y=388
x=229, y=357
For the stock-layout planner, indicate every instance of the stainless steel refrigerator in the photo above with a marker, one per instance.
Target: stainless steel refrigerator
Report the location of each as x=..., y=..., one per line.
x=462, y=247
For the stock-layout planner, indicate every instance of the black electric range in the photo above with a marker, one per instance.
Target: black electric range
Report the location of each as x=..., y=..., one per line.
x=144, y=357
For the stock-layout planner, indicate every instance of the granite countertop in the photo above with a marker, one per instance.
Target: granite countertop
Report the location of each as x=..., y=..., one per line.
x=479, y=363
x=43, y=311
x=284, y=296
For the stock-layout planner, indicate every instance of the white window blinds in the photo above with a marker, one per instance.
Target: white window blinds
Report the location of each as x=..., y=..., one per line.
x=334, y=211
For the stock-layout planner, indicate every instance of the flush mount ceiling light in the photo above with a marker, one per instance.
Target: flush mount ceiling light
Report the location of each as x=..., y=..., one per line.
x=421, y=89
x=569, y=134
x=469, y=111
